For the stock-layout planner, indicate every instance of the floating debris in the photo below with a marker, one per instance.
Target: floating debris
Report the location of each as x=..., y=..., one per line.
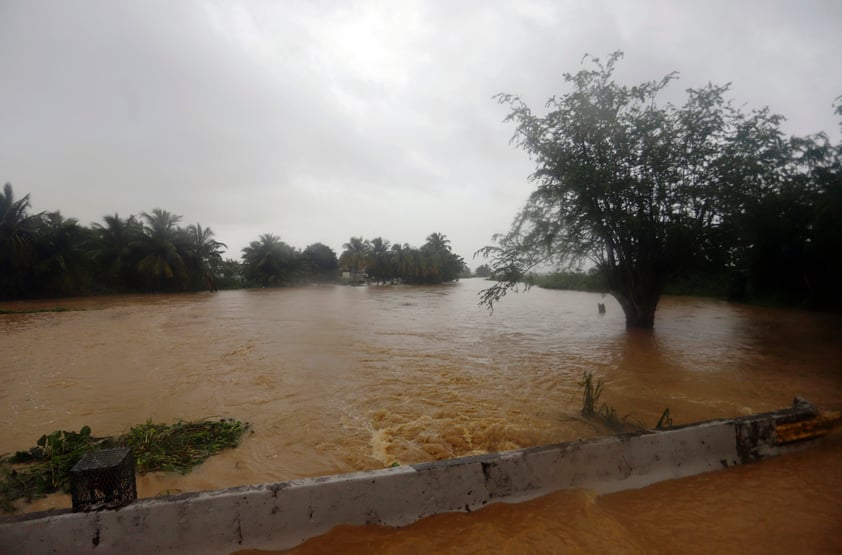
x=177, y=447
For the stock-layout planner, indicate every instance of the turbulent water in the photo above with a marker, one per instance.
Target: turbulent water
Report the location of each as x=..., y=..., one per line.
x=336, y=379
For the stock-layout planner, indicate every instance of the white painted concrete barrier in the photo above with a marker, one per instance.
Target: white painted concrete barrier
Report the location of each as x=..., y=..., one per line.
x=282, y=515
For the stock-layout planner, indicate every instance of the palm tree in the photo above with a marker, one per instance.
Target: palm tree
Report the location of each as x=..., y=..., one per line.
x=401, y=260
x=163, y=246
x=17, y=233
x=202, y=243
x=437, y=242
x=16, y=226
x=205, y=254
x=440, y=264
x=355, y=254
x=377, y=262
x=112, y=249
x=160, y=223
x=62, y=266
x=271, y=262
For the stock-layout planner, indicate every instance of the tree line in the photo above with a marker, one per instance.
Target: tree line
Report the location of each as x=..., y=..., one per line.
x=383, y=262
x=271, y=262
x=45, y=254
x=656, y=197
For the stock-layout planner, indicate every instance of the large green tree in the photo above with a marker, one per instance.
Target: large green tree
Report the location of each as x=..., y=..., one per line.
x=17, y=225
x=439, y=262
x=204, y=256
x=17, y=236
x=321, y=261
x=401, y=260
x=163, y=249
x=641, y=190
x=270, y=262
x=354, y=255
x=114, y=251
x=379, y=260
x=825, y=228
x=63, y=265
x=788, y=239
x=48, y=255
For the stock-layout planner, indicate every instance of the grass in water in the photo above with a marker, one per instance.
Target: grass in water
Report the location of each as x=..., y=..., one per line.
x=178, y=447
x=606, y=414
x=590, y=394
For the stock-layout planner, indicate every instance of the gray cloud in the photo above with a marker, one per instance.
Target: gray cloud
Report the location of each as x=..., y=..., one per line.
x=318, y=120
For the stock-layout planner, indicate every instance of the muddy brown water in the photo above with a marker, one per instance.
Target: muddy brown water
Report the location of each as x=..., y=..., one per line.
x=337, y=379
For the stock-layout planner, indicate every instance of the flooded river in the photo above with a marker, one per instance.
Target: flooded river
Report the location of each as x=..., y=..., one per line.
x=336, y=379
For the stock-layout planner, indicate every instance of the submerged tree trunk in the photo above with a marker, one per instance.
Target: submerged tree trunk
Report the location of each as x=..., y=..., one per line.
x=640, y=315
x=639, y=301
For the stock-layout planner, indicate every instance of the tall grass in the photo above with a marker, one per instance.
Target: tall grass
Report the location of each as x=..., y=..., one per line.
x=606, y=414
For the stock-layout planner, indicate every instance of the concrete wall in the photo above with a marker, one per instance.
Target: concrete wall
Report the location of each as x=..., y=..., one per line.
x=278, y=516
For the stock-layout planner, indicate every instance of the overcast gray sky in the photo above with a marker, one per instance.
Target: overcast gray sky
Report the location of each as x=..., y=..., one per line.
x=318, y=120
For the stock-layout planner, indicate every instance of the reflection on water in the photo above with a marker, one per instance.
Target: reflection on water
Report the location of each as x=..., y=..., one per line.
x=336, y=379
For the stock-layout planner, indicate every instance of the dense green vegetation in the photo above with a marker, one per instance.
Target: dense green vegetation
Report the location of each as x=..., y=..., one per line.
x=658, y=197
x=716, y=286
x=47, y=255
x=576, y=281
x=383, y=262
x=483, y=271
x=179, y=447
